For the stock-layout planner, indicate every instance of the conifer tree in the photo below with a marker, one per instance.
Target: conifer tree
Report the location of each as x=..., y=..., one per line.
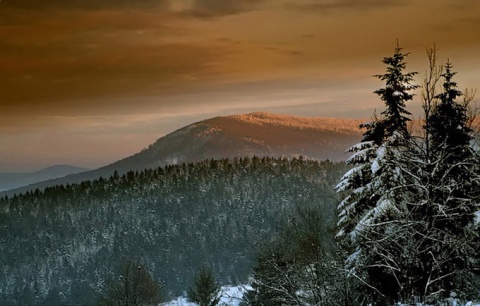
x=395, y=93
x=206, y=289
x=451, y=196
x=449, y=128
x=135, y=286
x=410, y=218
x=371, y=215
x=391, y=128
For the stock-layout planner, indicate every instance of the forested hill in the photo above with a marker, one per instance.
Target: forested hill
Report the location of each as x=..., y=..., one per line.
x=59, y=246
x=254, y=134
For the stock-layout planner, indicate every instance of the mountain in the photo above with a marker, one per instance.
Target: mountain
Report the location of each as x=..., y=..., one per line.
x=259, y=134
x=16, y=180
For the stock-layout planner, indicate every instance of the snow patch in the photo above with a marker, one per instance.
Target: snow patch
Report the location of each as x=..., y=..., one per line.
x=230, y=296
x=325, y=123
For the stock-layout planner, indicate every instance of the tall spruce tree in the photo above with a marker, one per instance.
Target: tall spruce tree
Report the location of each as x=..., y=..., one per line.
x=450, y=197
x=389, y=130
x=372, y=214
x=449, y=125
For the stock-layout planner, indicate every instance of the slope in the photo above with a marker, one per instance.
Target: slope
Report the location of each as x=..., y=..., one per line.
x=61, y=245
x=259, y=134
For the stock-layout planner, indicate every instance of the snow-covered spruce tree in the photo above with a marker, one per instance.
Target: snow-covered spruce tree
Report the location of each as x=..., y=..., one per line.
x=372, y=216
x=450, y=197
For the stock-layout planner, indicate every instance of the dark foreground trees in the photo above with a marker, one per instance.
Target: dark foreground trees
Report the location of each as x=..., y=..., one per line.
x=134, y=286
x=206, y=290
x=371, y=215
x=409, y=220
x=449, y=196
x=300, y=266
x=408, y=225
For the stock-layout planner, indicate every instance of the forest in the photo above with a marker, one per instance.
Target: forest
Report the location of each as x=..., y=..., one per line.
x=61, y=245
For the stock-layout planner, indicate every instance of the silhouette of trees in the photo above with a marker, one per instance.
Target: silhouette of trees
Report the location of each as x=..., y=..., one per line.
x=408, y=222
x=206, y=290
x=134, y=286
x=300, y=266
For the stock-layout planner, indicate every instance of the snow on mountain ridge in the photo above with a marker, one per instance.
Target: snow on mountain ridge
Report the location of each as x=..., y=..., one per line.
x=319, y=123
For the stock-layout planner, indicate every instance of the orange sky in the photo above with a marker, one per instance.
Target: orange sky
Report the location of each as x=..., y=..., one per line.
x=85, y=83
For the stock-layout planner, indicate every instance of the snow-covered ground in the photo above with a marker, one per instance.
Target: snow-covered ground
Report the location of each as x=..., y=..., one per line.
x=452, y=303
x=230, y=296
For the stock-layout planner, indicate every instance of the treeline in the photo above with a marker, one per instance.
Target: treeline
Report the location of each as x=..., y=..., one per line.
x=61, y=244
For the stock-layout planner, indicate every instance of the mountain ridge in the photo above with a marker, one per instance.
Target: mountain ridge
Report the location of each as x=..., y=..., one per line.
x=253, y=134
x=13, y=180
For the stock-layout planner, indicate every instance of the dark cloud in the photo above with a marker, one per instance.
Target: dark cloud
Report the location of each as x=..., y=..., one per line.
x=296, y=53
x=65, y=82
x=468, y=5
x=326, y=6
x=198, y=8
x=283, y=51
x=216, y=8
x=470, y=21
x=87, y=4
x=227, y=40
x=50, y=64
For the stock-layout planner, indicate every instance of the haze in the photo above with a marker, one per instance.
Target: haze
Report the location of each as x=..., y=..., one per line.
x=88, y=82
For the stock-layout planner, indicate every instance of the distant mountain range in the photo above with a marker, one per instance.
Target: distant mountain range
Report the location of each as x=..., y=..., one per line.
x=16, y=180
x=259, y=134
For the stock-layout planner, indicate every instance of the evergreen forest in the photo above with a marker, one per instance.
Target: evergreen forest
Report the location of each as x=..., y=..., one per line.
x=61, y=245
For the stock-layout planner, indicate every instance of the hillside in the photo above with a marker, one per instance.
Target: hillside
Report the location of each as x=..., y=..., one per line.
x=259, y=134
x=59, y=246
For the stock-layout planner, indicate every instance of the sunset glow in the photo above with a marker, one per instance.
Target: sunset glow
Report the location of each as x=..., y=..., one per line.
x=86, y=84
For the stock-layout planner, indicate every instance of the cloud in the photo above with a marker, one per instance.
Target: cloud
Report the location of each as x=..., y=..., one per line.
x=75, y=4
x=192, y=8
x=65, y=61
x=470, y=21
x=329, y=5
x=75, y=84
x=215, y=8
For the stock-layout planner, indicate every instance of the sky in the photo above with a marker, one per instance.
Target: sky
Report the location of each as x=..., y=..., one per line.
x=88, y=82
